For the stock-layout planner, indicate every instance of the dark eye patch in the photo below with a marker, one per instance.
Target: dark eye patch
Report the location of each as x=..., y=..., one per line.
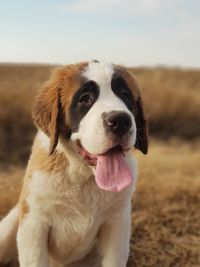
x=81, y=103
x=121, y=89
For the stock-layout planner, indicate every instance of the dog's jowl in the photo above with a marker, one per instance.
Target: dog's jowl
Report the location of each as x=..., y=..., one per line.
x=77, y=190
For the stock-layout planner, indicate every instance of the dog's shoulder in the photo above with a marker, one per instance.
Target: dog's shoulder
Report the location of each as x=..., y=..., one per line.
x=42, y=173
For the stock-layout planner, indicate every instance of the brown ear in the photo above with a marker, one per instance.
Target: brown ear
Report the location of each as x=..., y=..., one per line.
x=47, y=113
x=142, y=131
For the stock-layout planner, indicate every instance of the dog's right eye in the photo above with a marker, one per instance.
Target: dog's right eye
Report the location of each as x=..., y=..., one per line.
x=85, y=99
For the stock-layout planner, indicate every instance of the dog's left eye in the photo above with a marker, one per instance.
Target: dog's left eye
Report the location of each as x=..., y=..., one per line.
x=85, y=99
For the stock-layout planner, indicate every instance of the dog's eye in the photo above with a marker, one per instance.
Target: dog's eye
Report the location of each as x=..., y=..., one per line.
x=85, y=99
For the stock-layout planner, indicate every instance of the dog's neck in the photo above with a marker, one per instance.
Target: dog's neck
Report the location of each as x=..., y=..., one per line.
x=66, y=159
x=78, y=170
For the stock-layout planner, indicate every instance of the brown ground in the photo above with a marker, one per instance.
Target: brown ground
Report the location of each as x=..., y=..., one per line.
x=166, y=218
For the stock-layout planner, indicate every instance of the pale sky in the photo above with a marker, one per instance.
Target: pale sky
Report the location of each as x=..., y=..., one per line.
x=130, y=32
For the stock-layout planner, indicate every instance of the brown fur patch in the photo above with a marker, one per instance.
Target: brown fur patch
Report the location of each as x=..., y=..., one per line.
x=39, y=160
x=52, y=102
x=23, y=205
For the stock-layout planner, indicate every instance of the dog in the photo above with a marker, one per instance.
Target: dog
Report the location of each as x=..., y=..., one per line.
x=81, y=173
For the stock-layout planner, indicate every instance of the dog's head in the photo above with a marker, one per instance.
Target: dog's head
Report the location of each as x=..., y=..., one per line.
x=96, y=106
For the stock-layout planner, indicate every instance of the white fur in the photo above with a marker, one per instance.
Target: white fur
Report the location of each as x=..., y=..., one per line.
x=44, y=140
x=91, y=129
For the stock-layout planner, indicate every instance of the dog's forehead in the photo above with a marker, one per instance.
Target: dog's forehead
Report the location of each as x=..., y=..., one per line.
x=103, y=73
x=99, y=72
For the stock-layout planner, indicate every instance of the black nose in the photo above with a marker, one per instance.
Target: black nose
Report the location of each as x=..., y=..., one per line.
x=117, y=122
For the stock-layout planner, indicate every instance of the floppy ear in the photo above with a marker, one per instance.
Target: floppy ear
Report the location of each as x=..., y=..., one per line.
x=47, y=113
x=142, y=130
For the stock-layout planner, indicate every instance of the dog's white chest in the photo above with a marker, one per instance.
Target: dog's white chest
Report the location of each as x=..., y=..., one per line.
x=75, y=214
x=76, y=217
x=72, y=236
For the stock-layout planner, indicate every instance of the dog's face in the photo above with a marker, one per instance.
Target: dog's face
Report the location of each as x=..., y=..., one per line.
x=97, y=106
x=102, y=110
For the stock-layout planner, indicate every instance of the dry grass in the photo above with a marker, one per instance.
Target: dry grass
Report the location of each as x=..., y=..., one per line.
x=18, y=86
x=166, y=221
x=10, y=184
x=172, y=100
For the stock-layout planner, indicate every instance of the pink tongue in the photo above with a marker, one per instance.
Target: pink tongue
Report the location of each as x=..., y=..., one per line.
x=112, y=171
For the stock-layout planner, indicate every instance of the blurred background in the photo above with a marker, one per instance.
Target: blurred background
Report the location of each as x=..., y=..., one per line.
x=159, y=43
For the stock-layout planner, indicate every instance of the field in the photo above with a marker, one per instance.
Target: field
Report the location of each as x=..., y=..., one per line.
x=165, y=218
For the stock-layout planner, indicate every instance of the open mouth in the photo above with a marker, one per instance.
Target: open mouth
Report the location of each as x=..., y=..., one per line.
x=92, y=159
x=112, y=172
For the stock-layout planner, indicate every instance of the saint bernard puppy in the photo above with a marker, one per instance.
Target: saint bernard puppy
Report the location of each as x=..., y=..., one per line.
x=78, y=185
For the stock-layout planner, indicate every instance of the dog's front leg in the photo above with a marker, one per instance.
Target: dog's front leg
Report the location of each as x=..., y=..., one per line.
x=114, y=239
x=32, y=242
